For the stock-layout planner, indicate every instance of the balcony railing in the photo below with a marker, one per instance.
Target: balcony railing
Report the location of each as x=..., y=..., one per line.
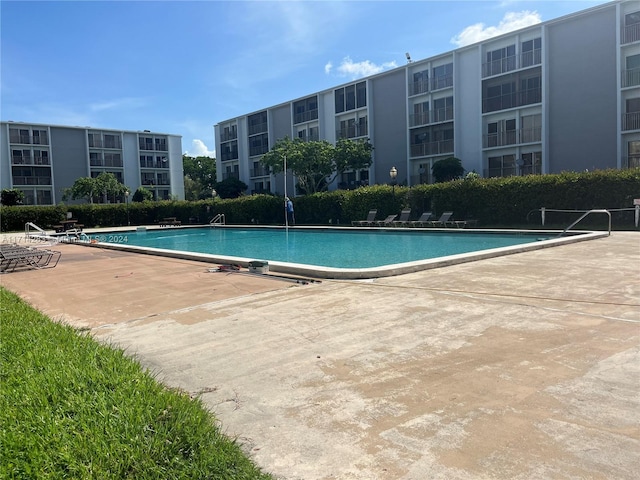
x=305, y=116
x=258, y=128
x=416, y=88
x=232, y=155
x=259, y=150
x=513, y=62
x=29, y=160
x=421, y=178
x=631, y=77
x=631, y=33
x=513, y=170
x=32, y=180
x=512, y=137
x=227, y=175
x=444, y=81
x=309, y=138
x=431, y=148
x=631, y=121
x=227, y=136
x=511, y=100
x=29, y=139
x=431, y=116
x=259, y=172
x=353, y=131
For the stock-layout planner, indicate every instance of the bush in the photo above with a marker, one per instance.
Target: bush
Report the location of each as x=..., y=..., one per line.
x=496, y=202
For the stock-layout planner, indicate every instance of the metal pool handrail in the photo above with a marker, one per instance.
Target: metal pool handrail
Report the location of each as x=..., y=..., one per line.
x=583, y=216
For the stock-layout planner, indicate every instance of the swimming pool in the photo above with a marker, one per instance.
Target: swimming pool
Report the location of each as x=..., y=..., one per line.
x=331, y=252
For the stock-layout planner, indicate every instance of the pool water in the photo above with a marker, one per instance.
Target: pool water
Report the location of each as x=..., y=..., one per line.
x=336, y=248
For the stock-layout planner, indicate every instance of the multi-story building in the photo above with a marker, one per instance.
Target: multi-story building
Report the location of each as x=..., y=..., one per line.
x=560, y=95
x=44, y=160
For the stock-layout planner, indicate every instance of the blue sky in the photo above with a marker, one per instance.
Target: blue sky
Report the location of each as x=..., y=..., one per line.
x=182, y=66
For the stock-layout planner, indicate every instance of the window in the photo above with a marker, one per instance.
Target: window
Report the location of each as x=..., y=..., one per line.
x=40, y=137
x=631, y=76
x=361, y=94
x=21, y=157
x=531, y=52
x=95, y=140
x=499, y=97
x=631, y=119
x=500, y=61
x=531, y=128
x=443, y=109
x=443, y=76
x=351, y=97
x=530, y=90
x=41, y=157
x=257, y=123
x=161, y=144
x=502, y=166
x=95, y=159
x=420, y=114
x=631, y=31
x=112, y=141
x=531, y=163
x=339, y=100
x=420, y=83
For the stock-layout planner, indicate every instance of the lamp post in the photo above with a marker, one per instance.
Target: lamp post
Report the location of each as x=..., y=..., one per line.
x=393, y=173
x=126, y=199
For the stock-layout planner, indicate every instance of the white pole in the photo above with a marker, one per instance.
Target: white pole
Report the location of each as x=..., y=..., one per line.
x=286, y=215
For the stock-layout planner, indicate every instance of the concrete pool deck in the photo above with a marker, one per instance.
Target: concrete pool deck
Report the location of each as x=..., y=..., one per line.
x=522, y=366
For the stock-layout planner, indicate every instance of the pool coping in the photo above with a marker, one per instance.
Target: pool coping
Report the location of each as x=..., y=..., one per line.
x=316, y=271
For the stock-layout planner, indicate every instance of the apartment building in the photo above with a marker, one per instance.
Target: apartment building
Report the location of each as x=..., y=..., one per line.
x=44, y=160
x=560, y=95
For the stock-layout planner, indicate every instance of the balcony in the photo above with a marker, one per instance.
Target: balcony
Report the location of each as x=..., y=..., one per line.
x=631, y=77
x=512, y=137
x=432, y=116
x=309, y=138
x=512, y=100
x=305, y=116
x=38, y=180
x=227, y=175
x=631, y=33
x=444, y=81
x=228, y=136
x=631, y=121
x=421, y=178
x=259, y=172
x=514, y=62
x=28, y=139
x=431, y=148
x=258, y=128
x=232, y=155
x=416, y=88
x=353, y=131
x=258, y=150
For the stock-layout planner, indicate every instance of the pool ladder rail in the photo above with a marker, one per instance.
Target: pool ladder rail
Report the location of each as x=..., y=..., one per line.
x=219, y=219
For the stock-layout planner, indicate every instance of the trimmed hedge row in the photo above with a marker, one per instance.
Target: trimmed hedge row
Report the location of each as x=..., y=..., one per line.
x=510, y=201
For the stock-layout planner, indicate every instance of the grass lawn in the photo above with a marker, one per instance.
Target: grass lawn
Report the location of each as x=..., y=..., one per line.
x=71, y=407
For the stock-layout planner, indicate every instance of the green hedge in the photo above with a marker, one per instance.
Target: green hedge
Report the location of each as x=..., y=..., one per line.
x=496, y=202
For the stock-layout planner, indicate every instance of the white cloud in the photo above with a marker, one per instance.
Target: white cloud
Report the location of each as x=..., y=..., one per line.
x=510, y=22
x=199, y=149
x=349, y=68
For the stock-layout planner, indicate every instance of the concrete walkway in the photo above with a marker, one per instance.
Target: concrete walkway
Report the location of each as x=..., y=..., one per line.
x=517, y=367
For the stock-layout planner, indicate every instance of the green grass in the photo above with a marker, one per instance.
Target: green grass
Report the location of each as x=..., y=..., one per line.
x=71, y=407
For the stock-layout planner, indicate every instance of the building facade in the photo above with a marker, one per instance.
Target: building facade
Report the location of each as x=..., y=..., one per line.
x=44, y=160
x=560, y=95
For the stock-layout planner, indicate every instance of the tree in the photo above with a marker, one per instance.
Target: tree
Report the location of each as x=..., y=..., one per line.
x=200, y=176
x=316, y=164
x=11, y=196
x=447, y=169
x=142, y=195
x=106, y=185
x=230, y=188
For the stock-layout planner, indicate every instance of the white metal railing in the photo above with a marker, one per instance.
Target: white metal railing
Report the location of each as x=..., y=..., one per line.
x=219, y=219
x=543, y=212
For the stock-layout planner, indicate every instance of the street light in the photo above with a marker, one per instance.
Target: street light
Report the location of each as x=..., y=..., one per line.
x=393, y=173
x=126, y=199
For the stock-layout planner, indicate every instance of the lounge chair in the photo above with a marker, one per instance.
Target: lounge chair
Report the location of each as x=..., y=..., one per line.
x=13, y=256
x=422, y=221
x=443, y=221
x=387, y=221
x=371, y=218
x=404, y=218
